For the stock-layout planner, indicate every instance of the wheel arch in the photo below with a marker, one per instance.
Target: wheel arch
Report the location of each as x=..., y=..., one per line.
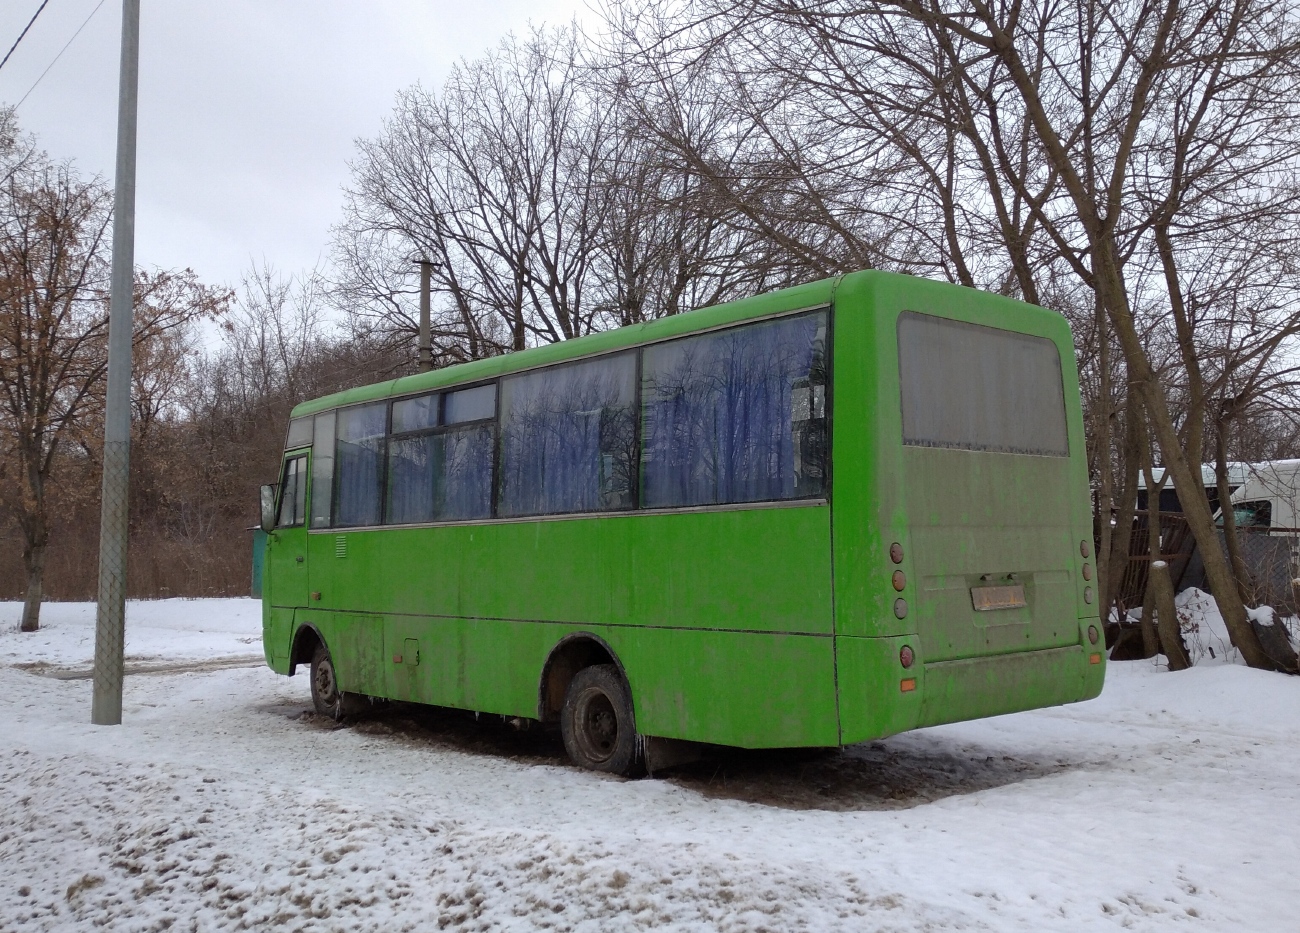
x=570, y=654
x=305, y=639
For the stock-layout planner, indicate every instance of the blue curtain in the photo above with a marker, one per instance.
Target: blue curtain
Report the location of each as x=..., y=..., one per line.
x=720, y=423
x=568, y=438
x=441, y=477
x=359, y=466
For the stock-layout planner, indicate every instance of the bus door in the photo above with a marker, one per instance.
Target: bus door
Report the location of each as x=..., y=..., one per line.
x=285, y=575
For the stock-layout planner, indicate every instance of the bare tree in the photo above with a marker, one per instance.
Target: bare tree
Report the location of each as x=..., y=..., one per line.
x=53, y=331
x=494, y=181
x=549, y=209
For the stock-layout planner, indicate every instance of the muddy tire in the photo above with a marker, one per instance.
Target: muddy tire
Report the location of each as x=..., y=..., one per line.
x=326, y=696
x=597, y=724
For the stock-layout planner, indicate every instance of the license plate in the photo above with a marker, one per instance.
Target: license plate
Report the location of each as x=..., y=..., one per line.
x=986, y=598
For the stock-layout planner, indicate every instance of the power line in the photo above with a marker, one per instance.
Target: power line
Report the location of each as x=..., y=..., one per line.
x=60, y=55
x=24, y=32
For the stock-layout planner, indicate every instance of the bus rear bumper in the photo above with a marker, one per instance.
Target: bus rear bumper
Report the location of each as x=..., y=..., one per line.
x=973, y=688
x=874, y=703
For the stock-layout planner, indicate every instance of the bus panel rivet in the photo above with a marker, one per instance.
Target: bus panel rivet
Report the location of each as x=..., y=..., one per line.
x=896, y=552
x=900, y=608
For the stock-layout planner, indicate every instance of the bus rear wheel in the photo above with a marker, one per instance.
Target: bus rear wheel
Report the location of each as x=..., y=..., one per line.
x=597, y=724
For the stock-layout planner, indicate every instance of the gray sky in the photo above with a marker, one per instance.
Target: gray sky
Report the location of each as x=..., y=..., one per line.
x=248, y=108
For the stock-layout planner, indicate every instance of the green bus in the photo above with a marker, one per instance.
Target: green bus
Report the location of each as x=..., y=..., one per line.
x=812, y=517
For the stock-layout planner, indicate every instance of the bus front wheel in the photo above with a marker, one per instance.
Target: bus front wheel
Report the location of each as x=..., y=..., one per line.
x=597, y=724
x=326, y=696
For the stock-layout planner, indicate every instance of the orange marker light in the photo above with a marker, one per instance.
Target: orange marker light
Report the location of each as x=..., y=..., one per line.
x=908, y=685
x=1094, y=659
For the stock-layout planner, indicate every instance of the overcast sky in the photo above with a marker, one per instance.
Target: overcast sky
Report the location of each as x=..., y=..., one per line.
x=248, y=108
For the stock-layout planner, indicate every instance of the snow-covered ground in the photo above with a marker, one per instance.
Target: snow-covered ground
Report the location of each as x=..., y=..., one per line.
x=1172, y=802
x=158, y=631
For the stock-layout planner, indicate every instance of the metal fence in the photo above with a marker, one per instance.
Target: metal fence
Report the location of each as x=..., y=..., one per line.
x=1271, y=555
x=1272, y=558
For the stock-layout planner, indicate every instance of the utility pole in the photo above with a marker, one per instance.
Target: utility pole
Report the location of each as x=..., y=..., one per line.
x=426, y=342
x=110, y=618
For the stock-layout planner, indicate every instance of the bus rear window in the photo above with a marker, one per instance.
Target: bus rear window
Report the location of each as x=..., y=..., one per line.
x=971, y=387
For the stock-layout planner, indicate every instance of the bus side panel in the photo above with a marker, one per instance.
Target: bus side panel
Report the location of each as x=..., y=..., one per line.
x=752, y=690
x=758, y=569
x=489, y=665
x=356, y=646
x=731, y=688
x=872, y=701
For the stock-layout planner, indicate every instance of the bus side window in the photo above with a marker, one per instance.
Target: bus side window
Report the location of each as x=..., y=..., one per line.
x=568, y=438
x=322, y=469
x=736, y=416
x=441, y=469
x=359, y=464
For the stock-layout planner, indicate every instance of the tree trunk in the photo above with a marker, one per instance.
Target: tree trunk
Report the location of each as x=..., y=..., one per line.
x=34, y=564
x=1230, y=539
x=1160, y=594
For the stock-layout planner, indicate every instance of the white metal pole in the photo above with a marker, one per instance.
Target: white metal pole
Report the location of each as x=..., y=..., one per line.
x=110, y=619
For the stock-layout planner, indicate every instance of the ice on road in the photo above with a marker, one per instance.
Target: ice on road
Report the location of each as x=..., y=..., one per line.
x=221, y=803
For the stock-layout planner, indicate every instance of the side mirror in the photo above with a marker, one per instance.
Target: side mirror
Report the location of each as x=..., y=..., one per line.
x=268, y=507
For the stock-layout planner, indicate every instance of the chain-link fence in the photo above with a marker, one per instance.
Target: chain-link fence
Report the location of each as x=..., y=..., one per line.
x=1272, y=559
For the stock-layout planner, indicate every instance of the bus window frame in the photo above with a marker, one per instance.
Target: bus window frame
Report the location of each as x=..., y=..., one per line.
x=442, y=427
x=635, y=479
x=828, y=308
x=302, y=482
